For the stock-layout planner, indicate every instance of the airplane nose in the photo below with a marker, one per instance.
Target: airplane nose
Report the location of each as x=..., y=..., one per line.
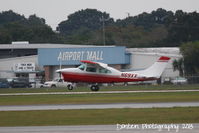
x=65, y=70
x=58, y=71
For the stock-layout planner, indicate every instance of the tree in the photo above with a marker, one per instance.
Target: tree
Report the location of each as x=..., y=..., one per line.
x=4, y=36
x=179, y=65
x=160, y=28
x=10, y=16
x=190, y=52
x=148, y=20
x=183, y=28
x=14, y=27
x=33, y=19
x=88, y=19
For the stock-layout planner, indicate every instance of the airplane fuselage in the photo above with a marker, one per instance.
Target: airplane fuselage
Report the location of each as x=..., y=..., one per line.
x=75, y=75
x=96, y=72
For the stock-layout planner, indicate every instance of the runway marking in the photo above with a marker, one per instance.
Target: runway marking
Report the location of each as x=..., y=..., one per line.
x=99, y=92
x=98, y=106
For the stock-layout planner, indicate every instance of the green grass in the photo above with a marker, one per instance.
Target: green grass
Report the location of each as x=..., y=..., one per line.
x=99, y=116
x=100, y=98
x=103, y=88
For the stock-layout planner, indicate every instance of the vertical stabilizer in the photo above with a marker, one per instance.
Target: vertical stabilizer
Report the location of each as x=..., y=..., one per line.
x=156, y=69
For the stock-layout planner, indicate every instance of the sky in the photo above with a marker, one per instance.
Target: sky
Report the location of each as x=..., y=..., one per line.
x=55, y=11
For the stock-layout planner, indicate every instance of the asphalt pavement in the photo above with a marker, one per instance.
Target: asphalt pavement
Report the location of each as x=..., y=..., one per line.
x=91, y=92
x=98, y=106
x=117, y=128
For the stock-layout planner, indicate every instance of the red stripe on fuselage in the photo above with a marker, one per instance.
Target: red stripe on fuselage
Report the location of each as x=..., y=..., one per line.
x=98, y=78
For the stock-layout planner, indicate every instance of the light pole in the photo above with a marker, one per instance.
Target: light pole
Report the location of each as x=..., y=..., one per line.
x=128, y=14
x=103, y=28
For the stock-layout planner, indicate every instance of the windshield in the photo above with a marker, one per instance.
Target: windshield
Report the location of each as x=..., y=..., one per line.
x=82, y=67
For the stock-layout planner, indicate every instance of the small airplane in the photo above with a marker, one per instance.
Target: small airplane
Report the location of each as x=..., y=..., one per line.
x=96, y=72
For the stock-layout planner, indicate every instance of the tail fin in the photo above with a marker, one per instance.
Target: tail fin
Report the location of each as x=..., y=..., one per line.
x=156, y=69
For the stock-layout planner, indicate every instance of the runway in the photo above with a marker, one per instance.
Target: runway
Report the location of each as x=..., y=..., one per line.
x=139, y=128
x=98, y=106
x=99, y=92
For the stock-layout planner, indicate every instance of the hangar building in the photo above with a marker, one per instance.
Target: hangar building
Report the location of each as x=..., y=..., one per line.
x=42, y=60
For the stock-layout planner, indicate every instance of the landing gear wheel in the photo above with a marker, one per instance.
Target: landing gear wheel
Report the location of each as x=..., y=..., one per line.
x=95, y=88
x=70, y=87
x=53, y=86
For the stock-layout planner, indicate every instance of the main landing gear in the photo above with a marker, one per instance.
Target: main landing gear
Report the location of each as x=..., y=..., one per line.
x=94, y=88
x=71, y=86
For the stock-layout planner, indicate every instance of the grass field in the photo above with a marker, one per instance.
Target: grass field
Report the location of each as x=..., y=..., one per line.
x=103, y=88
x=100, y=98
x=100, y=116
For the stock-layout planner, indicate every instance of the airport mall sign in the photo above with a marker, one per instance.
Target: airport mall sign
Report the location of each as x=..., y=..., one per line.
x=73, y=56
x=80, y=55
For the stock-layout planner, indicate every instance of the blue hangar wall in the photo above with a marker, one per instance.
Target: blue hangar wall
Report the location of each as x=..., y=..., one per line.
x=72, y=56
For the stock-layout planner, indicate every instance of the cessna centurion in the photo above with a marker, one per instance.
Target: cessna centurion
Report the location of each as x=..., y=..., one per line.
x=96, y=72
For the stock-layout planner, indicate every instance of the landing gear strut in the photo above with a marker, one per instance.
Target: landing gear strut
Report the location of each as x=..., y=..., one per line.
x=95, y=88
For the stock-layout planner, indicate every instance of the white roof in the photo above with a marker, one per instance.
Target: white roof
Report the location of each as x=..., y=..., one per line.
x=43, y=45
x=162, y=50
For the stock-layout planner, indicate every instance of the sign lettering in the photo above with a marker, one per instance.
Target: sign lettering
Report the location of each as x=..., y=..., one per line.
x=128, y=75
x=24, y=67
x=80, y=55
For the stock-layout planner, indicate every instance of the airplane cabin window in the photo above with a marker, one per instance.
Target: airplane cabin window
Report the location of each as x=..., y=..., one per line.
x=91, y=69
x=103, y=70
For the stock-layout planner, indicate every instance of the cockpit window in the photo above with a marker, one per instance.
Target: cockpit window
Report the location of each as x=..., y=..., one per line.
x=82, y=67
x=93, y=68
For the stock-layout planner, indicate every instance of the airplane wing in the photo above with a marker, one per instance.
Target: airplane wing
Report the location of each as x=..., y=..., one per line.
x=95, y=63
x=87, y=61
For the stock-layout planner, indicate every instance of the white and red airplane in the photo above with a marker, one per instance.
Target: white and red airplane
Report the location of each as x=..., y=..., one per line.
x=96, y=72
